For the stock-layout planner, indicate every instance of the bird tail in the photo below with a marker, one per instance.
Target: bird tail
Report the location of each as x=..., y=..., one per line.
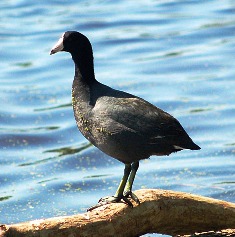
x=193, y=146
x=187, y=145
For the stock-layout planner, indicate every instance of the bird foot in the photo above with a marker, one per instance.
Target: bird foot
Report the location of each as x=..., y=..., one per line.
x=114, y=199
x=131, y=195
x=111, y=199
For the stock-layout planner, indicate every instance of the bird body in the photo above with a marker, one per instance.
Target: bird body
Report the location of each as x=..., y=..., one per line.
x=122, y=125
x=127, y=127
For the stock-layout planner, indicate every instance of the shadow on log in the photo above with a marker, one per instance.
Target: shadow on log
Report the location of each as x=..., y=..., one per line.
x=160, y=211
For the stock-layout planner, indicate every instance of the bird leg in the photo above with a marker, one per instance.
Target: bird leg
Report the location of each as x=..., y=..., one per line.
x=124, y=190
x=120, y=190
x=128, y=188
x=119, y=193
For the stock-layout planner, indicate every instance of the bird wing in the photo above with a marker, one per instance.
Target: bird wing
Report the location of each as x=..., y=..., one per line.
x=137, y=127
x=135, y=115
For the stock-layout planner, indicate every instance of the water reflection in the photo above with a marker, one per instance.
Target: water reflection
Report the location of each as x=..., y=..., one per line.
x=54, y=107
x=28, y=130
x=96, y=176
x=200, y=110
x=24, y=64
x=70, y=150
x=62, y=151
x=5, y=198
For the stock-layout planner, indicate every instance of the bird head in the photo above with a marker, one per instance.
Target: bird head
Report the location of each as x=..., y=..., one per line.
x=72, y=42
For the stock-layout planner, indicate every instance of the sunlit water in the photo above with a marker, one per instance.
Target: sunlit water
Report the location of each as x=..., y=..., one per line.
x=179, y=55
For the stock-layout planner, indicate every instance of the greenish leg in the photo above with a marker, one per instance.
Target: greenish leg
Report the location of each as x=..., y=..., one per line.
x=119, y=192
x=128, y=188
x=124, y=190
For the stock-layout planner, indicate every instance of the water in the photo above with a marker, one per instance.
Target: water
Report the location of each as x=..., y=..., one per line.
x=179, y=55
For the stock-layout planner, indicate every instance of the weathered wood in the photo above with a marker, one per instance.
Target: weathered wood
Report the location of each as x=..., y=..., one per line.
x=160, y=211
x=220, y=233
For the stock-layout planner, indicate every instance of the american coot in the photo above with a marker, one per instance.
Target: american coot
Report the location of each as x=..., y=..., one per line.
x=121, y=125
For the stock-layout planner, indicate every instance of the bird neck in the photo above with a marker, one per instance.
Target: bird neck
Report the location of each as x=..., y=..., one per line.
x=84, y=68
x=84, y=80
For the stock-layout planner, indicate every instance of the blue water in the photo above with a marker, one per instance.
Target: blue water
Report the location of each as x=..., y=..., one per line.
x=179, y=55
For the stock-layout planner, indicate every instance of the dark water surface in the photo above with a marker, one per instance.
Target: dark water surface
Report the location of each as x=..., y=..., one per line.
x=179, y=55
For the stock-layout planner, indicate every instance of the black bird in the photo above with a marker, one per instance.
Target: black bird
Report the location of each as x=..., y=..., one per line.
x=122, y=125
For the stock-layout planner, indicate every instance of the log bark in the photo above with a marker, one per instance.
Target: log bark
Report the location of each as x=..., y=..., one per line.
x=160, y=211
x=221, y=233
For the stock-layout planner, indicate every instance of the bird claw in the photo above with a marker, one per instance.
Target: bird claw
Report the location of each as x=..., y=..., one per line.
x=131, y=195
x=127, y=201
x=103, y=201
x=109, y=199
x=112, y=199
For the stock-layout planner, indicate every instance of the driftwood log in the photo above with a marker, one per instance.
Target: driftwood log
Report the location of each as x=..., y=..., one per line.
x=160, y=211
